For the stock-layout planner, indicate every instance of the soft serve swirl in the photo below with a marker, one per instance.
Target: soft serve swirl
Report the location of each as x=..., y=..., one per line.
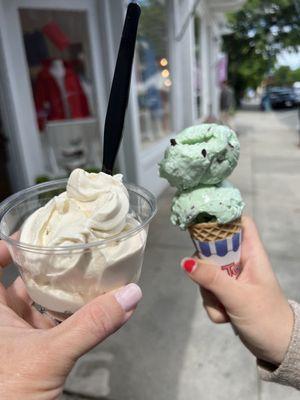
x=93, y=207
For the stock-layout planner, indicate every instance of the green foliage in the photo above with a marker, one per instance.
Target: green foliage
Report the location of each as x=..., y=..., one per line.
x=296, y=75
x=260, y=31
x=284, y=76
x=94, y=170
x=42, y=179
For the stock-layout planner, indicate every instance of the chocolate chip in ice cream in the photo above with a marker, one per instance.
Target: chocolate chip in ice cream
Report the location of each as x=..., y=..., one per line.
x=173, y=142
x=204, y=152
x=221, y=158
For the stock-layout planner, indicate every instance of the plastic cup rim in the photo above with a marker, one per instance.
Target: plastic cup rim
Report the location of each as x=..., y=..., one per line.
x=10, y=201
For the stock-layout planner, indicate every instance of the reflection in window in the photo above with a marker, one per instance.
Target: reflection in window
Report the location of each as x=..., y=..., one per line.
x=58, y=57
x=197, y=65
x=154, y=80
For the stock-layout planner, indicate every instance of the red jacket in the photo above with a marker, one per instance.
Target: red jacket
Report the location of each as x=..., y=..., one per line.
x=48, y=97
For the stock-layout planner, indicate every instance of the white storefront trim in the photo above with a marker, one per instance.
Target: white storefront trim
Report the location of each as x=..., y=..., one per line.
x=18, y=92
x=21, y=125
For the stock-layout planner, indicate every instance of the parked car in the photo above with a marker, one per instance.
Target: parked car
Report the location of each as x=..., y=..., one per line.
x=278, y=97
x=297, y=94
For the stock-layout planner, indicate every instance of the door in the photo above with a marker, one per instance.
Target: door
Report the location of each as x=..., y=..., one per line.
x=54, y=72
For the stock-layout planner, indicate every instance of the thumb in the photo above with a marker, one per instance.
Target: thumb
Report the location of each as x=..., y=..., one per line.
x=211, y=277
x=95, y=321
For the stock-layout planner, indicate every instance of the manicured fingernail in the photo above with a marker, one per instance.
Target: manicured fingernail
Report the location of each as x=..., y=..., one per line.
x=129, y=296
x=189, y=265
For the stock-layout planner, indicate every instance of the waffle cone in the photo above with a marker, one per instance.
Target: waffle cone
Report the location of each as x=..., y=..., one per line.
x=213, y=231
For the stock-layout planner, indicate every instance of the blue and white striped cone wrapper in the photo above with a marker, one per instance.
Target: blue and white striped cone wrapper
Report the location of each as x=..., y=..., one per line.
x=219, y=244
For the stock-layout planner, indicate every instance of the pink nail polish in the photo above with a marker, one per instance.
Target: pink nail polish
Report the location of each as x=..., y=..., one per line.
x=189, y=265
x=129, y=296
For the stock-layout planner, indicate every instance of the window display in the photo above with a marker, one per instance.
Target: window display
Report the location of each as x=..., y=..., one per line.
x=58, y=57
x=58, y=93
x=154, y=80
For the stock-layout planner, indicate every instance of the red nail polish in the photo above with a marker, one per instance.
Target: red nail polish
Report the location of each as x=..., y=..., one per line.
x=188, y=264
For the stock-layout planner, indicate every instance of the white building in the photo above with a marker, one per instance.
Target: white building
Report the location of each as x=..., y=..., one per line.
x=57, y=64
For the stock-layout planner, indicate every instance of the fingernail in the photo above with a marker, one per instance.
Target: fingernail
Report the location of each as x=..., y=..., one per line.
x=129, y=296
x=189, y=265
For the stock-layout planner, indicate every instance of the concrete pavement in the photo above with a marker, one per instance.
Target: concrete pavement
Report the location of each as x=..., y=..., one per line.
x=170, y=350
x=275, y=159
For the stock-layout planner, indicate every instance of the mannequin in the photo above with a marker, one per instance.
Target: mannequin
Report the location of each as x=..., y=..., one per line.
x=58, y=71
x=58, y=93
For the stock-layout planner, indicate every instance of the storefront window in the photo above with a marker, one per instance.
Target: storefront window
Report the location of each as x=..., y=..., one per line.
x=59, y=63
x=154, y=80
x=197, y=65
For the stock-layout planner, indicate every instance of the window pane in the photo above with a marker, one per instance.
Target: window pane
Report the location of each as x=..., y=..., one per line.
x=58, y=56
x=154, y=81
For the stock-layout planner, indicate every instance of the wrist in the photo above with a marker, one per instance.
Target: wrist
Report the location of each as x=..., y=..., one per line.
x=280, y=338
x=268, y=339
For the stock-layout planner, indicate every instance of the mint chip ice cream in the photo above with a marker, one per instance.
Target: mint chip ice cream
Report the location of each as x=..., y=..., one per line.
x=197, y=162
x=204, y=154
x=222, y=203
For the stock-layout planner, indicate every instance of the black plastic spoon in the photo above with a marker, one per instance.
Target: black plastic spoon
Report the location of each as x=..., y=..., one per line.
x=119, y=94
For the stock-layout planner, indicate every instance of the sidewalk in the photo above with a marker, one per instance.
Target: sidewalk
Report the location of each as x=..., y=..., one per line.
x=274, y=160
x=170, y=350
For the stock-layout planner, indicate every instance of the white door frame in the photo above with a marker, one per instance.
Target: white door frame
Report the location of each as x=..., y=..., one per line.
x=17, y=102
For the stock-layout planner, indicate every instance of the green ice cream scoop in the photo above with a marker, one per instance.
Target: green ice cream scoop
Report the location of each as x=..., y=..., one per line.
x=222, y=203
x=205, y=154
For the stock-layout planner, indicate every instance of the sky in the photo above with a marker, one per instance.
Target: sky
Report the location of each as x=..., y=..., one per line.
x=290, y=59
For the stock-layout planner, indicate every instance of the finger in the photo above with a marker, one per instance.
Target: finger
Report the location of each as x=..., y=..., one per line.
x=18, y=291
x=5, y=257
x=95, y=321
x=3, y=299
x=10, y=319
x=215, y=310
x=212, y=278
x=20, y=302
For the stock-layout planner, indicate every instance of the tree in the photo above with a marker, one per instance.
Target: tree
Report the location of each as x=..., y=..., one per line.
x=296, y=75
x=259, y=32
x=283, y=76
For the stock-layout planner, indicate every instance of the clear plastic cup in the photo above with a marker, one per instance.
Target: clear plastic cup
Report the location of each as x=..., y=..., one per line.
x=60, y=280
